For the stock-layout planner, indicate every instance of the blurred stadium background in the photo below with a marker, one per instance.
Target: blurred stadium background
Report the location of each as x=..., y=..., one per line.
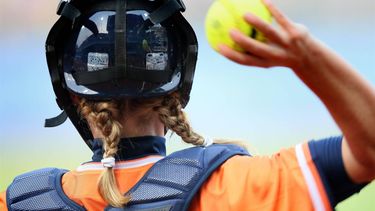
x=270, y=109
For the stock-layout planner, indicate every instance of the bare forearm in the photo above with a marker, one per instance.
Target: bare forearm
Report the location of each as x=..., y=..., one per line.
x=349, y=98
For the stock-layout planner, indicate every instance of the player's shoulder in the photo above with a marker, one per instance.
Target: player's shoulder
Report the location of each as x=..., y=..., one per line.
x=39, y=189
x=285, y=156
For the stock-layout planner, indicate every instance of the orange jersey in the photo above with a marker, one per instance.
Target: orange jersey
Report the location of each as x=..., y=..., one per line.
x=288, y=180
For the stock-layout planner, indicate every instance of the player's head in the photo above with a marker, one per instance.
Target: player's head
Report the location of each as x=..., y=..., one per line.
x=112, y=54
x=119, y=49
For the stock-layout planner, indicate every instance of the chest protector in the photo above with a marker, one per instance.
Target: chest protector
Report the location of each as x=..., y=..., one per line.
x=169, y=185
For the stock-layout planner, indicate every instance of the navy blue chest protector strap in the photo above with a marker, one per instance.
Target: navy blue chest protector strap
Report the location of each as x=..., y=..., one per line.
x=169, y=185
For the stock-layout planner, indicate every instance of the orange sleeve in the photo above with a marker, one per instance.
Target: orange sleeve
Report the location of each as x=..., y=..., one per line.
x=3, y=202
x=262, y=183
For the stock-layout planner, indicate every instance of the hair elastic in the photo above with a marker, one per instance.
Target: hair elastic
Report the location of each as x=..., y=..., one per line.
x=108, y=162
x=207, y=141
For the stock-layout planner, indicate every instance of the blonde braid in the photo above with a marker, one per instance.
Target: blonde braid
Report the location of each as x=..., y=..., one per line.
x=173, y=117
x=171, y=114
x=105, y=115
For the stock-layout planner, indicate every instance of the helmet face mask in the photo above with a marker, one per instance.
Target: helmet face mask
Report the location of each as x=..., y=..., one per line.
x=103, y=50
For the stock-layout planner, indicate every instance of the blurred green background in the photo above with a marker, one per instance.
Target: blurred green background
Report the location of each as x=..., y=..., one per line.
x=271, y=109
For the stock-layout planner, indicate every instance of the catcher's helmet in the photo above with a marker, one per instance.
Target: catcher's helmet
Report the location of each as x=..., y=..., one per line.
x=116, y=49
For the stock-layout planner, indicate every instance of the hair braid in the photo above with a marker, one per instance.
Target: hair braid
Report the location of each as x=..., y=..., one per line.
x=171, y=114
x=105, y=115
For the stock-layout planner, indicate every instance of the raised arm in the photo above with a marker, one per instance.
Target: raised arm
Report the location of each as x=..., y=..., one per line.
x=349, y=98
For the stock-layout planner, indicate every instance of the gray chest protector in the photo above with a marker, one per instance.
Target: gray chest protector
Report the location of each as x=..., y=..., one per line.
x=169, y=185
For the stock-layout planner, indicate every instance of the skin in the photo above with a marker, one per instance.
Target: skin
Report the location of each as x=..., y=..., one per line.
x=349, y=98
x=133, y=127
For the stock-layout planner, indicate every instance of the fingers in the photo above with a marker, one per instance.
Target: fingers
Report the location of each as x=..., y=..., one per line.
x=268, y=31
x=242, y=58
x=256, y=48
x=280, y=18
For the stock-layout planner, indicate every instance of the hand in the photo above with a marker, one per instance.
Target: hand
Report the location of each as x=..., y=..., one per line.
x=286, y=46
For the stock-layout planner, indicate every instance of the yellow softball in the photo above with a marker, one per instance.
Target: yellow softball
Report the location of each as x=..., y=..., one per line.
x=224, y=15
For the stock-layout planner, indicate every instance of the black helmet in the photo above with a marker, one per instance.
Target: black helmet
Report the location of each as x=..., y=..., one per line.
x=115, y=49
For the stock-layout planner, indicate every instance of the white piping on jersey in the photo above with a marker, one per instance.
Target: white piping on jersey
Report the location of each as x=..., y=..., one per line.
x=309, y=178
x=121, y=165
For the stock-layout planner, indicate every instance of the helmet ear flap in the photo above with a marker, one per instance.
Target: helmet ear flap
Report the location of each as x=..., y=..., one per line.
x=54, y=54
x=190, y=60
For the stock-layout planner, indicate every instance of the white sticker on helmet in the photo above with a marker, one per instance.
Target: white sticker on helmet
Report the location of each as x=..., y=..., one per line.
x=156, y=61
x=97, y=61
